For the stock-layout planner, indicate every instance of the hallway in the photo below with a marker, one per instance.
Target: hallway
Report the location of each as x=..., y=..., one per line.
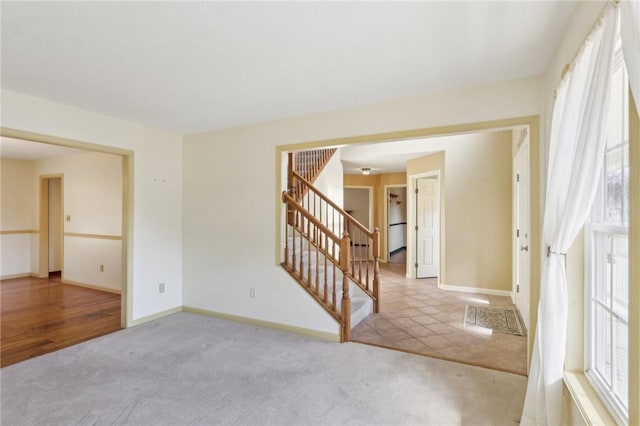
x=415, y=316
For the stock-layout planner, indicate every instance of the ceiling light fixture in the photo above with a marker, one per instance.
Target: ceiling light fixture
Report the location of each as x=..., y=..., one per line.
x=366, y=171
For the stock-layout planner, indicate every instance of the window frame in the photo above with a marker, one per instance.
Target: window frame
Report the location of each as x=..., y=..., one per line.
x=592, y=227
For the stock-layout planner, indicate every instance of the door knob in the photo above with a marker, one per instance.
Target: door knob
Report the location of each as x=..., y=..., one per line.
x=524, y=248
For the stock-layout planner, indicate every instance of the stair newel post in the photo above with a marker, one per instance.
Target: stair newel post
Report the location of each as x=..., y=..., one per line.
x=376, y=270
x=343, y=224
x=345, y=244
x=291, y=167
x=286, y=233
x=290, y=186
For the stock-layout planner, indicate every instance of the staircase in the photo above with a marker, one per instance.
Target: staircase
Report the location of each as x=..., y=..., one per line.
x=332, y=255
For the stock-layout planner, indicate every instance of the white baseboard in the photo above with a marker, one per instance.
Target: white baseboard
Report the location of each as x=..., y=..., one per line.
x=155, y=316
x=91, y=286
x=324, y=335
x=24, y=275
x=477, y=290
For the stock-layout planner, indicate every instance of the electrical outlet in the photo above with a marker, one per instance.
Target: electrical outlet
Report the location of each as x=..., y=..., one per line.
x=161, y=288
x=101, y=268
x=68, y=218
x=252, y=293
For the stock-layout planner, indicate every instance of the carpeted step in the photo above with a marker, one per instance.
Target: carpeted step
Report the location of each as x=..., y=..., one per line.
x=361, y=307
x=361, y=304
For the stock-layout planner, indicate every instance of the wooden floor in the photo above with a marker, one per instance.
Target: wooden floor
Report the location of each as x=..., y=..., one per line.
x=43, y=315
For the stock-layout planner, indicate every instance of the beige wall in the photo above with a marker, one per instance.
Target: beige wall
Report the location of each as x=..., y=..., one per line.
x=476, y=205
x=18, y=194
x=425, y=164
x=92, y=198
x=154, y=169
x=17, y=214
x=233, y=164
x=356, y=203
x=91, y=194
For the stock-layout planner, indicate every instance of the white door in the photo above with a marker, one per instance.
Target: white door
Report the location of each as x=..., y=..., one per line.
x=521, y=241
x=427, y=227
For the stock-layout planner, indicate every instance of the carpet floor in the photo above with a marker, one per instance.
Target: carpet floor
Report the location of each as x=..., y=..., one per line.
x=188, y=369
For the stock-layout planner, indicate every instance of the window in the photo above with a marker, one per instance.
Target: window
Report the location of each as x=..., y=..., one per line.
x=607, y=297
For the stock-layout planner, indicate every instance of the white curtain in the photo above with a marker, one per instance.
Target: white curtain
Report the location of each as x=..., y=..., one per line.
x=630, y=34
x=576, y=149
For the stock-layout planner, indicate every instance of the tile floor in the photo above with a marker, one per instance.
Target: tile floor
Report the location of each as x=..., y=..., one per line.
x=417, y=317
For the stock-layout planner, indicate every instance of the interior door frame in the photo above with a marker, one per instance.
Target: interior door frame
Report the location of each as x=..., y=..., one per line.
x=412, y=252
x=43, y=240
x=523, y=148
x=126, y=299
x=385, y=219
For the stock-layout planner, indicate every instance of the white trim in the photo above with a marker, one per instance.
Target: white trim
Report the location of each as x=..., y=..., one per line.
x=21, y=275
x=318, y=334
x=522, y=148
x=477, y=290
x=155, y=316
x=597, y=385
x=586, y=399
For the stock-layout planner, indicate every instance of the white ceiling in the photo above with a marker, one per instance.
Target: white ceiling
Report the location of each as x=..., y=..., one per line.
x=392, y=157
x=195, y=66
x=354, y=160
x=26, y=150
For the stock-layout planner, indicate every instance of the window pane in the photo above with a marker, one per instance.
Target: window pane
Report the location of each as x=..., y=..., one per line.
x=621, y=362
x=615, y=109
x=602, y=337
x=613, y=212
x=620, y=276
x=601, y=267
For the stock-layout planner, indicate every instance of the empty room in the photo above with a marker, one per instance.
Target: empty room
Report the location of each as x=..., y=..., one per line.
x=220, y=223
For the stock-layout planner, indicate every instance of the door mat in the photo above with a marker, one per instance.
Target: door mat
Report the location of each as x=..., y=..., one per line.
x=499, y=320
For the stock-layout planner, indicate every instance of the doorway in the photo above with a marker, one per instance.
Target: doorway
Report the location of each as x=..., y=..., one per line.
x=51, y=245
x=427, y=219
x=396, y=223
x=55, y=226
x=39, y=262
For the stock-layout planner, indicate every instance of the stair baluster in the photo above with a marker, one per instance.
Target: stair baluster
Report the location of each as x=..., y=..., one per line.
x=316, y=222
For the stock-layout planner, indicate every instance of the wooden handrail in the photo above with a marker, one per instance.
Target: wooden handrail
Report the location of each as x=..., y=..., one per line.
x=303, y=226
x=288, y=199
x=336, y=207
x=352, y=226
x=326, y=241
